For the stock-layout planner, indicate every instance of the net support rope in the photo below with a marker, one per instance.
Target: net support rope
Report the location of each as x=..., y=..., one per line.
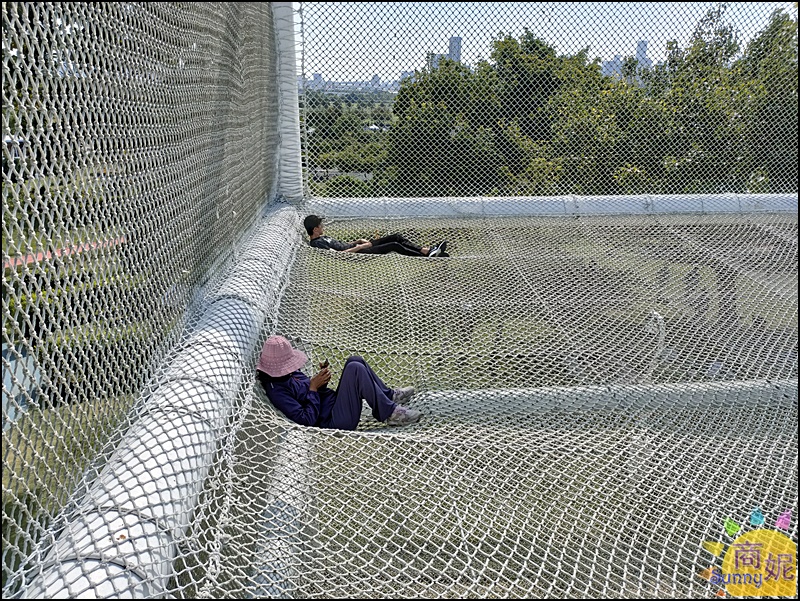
x=388, y=208
x=290, y=169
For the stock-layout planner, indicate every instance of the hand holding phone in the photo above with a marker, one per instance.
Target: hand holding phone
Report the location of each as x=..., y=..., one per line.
x=321, y=378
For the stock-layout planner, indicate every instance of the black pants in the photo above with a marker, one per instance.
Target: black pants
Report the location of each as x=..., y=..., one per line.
x=395, y=243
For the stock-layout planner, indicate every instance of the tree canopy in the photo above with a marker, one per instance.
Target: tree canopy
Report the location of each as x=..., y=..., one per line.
x=713, y=117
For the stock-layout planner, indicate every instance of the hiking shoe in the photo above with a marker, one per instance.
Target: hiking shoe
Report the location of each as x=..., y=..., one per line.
x=403, y=416
x=401, y=394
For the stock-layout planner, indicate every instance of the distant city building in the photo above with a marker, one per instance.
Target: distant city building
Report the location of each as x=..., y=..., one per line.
x=453, y=54
x=340, y=88
x=641, y=55
x=455, y=49
x=613, y=68
x=433, y=59
x=317, y=82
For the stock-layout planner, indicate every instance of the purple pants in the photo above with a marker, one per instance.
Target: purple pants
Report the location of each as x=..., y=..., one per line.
x=358, y=382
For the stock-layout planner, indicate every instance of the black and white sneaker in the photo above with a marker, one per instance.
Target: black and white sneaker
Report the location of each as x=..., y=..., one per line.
x=438, y=249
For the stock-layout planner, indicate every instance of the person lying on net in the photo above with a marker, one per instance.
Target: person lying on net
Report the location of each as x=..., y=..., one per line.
x=309, y=401
x=378, y=246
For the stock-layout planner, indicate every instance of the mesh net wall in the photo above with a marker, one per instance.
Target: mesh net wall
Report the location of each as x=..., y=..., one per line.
x=609, y=400
x=138, y=145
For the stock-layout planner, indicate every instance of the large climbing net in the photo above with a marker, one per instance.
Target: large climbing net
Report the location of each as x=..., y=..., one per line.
x=607, y=362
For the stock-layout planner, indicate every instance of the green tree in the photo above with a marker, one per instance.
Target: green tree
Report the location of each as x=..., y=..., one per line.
x=441, y=143
x=527, y=76
x=345, y=186
x=531, y=121
x=769, y=131
x=322, y=111
x=348, y=126
x=699, y=85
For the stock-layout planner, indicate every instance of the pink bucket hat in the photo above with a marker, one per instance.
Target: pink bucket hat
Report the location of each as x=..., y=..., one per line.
x=278, y=358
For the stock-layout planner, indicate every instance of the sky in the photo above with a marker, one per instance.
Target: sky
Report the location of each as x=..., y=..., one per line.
x=352, y=41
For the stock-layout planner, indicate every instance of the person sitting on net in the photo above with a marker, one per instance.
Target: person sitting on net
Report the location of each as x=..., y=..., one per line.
x=309, y=401
x=378, y=246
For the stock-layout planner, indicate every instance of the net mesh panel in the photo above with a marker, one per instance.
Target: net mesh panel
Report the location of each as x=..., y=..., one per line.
x=138, y=145
x=600, y=392
x=517, y=99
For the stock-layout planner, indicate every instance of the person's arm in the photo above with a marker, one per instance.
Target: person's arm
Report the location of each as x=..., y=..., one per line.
x=333, y=244
x=295, y=400
x=306, y=406
x=358, y=247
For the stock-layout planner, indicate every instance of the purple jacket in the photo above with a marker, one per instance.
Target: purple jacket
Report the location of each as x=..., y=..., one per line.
x=291, y=395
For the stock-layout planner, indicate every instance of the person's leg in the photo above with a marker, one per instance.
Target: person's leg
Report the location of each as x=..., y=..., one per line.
x=396, y=394
x=357, y=382
x=346, y=412
x=386, y=239
x=391, y=247
x=411, y=249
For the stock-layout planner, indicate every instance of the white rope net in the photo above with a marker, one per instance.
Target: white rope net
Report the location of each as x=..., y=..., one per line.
x=607, y=382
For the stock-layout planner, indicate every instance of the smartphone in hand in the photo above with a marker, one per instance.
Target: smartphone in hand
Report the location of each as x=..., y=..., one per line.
x=324, y=364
